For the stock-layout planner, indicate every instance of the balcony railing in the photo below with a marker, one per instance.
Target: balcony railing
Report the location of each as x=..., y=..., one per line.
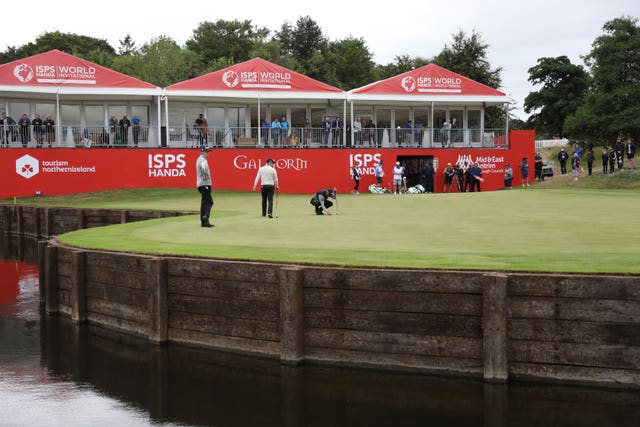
x=230, y=137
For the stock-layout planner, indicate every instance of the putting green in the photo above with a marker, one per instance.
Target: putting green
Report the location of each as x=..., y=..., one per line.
x=567, y=230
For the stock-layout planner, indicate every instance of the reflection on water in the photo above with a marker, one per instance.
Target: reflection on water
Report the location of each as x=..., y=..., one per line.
x=53, y=372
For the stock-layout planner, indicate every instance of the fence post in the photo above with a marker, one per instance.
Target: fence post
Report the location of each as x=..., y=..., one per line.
x=494, y=327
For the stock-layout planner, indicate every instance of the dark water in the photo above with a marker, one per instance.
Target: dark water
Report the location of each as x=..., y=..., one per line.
x=56, y=373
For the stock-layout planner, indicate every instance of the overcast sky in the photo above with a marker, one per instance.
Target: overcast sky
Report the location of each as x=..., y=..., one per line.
x=518, y=33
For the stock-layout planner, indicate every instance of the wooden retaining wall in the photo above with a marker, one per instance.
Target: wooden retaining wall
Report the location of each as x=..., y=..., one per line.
x=498, y=326
x=552, y=327
x=45, y=222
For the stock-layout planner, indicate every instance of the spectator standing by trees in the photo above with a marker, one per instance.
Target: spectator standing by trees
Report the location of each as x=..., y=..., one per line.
x=590, y=158
x=605, y=161
x=630, y=151
x=538, y=167
x=575, y=166
x=563, y=156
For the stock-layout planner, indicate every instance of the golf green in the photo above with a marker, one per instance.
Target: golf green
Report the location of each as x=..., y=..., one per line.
x=556, y=230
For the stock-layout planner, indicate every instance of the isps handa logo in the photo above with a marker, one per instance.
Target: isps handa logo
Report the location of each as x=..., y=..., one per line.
x=27, y=166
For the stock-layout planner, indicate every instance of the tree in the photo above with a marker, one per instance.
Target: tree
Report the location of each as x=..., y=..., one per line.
x=611, y=106
x=233, y=40
x=467, y=56
x=85, y=47
x=127, y=45
x=161, y=62
x=402, y=64
x=564, y=86
x=306, y=44
x=351, y=63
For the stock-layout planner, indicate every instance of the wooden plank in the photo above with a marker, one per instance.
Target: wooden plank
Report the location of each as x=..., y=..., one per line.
x=396, y=280
x=576, y=374
x=494, y=327
x=575, y=309
x=257, y=310
x=442, y=365
x=409, y=323
x=241, y=271
x=576, y=286
x=411, y=302
x=132, y=313
x=131, y=326
x=227, y=326
x=558, y=353
x=375, y=342
x=220, y=342
x=118, y=294
x=574, y=331
x=223, y=288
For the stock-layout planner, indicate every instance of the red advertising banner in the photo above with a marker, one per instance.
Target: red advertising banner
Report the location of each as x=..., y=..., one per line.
x=31, y=171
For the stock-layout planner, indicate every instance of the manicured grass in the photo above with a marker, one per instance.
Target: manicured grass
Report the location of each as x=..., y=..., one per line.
x=533, y=229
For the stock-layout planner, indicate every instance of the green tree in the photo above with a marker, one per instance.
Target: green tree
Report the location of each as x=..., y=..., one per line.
x=306, y=44
x=611, y=106
x=161, y=62
x=351, y=63
x=92, y=49
x=233, y=40
x=467, y=56
x=564, y=86
x=402, y=64
x=127, y=45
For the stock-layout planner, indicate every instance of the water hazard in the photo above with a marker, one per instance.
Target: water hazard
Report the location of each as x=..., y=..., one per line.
x=53, y=372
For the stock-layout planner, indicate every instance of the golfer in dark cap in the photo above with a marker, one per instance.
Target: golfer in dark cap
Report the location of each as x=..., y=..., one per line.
x=203, y=175
x=268, y=178
x=321, y=201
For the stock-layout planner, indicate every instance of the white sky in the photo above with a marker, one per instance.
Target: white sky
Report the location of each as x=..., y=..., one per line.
x=518, y=33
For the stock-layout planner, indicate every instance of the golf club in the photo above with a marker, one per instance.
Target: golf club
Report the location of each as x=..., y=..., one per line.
x=337, y=210
x=275, y=211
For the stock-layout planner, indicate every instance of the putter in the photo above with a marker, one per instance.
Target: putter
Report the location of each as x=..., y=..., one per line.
x=275, y=211
x=337, y=210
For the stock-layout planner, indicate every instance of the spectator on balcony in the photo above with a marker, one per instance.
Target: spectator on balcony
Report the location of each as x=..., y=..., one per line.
x=36, y=123
x=306, y=139
x=326, y=131
x=337, y=127
x=371, y=133
x=7, y=122
x=135, y=129
x=113, y=130
x=275, y=132
x=203, y=130
x=357, y=132
x=446, y=133
x=455, y=133
x=24, y=125
x=284, y=130
x=124, y=124
x=264, y=128
x=563, y=156
x=49, y=130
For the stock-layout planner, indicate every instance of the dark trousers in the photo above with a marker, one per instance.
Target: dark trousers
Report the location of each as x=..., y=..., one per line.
x=267, y=199
x=563, y=167
x=475, y=184
x=206, y=203
x=318, y=206
x=356, y=184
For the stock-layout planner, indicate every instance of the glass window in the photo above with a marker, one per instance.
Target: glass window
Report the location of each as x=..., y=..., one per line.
x=70, y=115
x=94, y=115
x=298, y=116
x=421, y=116
x=46, y=110
x=317, y=116
x=215, y=116
x=17, y=109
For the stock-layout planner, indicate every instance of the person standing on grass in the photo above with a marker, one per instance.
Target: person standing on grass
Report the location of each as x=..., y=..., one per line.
x=476, y=174
x=379, y=173
x=612, y=160
x=630, y=151
x=203, y=175
x=398, y=175
x=575, y=166
x=563, y=156
x=268, y=178
x=508, y=176
x=605, y=161
x=355, y=174
x=538, y=167
x=524, y=170
x=590, y=158
x=448, y=173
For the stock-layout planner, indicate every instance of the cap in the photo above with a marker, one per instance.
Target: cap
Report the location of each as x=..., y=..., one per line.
x=398, y=163
x=270, y=160
x=204, y=149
